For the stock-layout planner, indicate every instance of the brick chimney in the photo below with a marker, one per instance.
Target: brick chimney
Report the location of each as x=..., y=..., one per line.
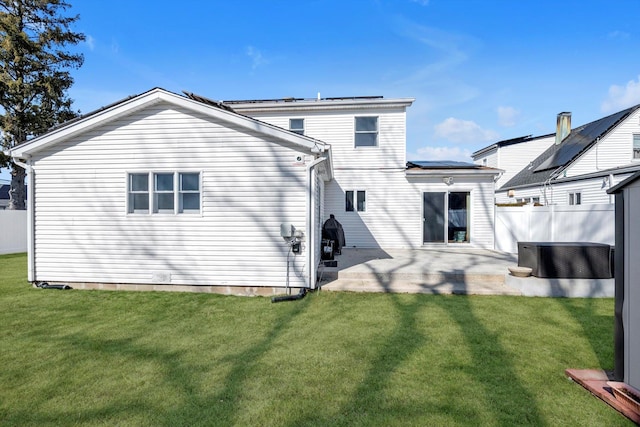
x=563, y=126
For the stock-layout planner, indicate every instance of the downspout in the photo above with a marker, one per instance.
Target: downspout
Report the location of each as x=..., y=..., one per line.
x=311, y=241
x=31, y=266
x=311, y=219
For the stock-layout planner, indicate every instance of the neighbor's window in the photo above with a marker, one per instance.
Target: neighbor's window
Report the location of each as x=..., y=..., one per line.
x=138, y=193
x=163, y=195
x=636, y=146
x=575, y=198
x=366, y=134
x=297, y=126
x=360, y=202
x=189, y=198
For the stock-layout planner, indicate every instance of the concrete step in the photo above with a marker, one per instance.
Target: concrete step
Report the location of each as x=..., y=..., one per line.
x=419, y=278
x=399, y=286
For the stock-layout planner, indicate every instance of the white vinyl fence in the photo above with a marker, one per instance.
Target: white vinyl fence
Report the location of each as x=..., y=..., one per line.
x=581, y=223
x=13, y=231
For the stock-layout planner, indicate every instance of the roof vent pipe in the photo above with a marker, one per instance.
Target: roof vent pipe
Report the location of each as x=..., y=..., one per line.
x=563, y=126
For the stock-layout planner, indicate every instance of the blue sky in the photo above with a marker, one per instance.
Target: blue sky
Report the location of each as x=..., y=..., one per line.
x=480, y=71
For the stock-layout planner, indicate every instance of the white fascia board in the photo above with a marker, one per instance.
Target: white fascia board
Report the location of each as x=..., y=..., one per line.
x=321, y=105
x=153, y=97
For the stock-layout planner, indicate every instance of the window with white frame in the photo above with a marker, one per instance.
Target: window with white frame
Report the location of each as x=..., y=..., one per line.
x=355, y=200
x=163, y=195
x=163, y=199
x=138, y=189
x=297, y=126
x=366, y=132
x=575, y=198
x=636, y=146
x=189, y=194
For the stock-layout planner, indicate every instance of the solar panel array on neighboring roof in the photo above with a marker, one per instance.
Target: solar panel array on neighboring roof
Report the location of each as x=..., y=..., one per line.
x=581, y=138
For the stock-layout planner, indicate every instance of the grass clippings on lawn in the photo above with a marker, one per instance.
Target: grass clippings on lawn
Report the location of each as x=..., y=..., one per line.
x=170, y=359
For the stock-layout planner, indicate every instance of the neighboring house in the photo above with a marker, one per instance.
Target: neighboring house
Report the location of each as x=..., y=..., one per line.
x=163, y=191
x=582, y=163
x=4, y=196
x=512, y=155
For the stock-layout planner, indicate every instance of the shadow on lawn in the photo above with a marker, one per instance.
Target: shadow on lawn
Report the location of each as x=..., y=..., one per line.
x=407, y=338
x=504, y=393
x=194, y=406
x=598, y=332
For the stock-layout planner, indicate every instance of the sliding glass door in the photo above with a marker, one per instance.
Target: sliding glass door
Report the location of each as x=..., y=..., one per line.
x=433, y=217
x=446, y=217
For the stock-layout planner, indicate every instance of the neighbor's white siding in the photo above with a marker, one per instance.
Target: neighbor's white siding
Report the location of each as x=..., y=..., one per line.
x=592, y=190
x=513, y=158
x=249, y=187
x=393, y=216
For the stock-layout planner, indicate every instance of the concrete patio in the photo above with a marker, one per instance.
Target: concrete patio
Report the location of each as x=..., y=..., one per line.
x=462, y=271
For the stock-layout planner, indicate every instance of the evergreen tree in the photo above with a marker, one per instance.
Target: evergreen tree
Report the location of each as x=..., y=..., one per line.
x=34, y=75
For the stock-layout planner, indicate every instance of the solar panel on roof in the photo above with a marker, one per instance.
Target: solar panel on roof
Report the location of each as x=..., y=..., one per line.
x=442, y=164
x=580, y=139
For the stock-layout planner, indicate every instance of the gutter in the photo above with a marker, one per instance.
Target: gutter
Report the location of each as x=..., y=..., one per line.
x=31, y=266
x=311, y=219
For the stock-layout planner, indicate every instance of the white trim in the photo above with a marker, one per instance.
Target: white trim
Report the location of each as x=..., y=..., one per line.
x=324, y=104
x=156, y=96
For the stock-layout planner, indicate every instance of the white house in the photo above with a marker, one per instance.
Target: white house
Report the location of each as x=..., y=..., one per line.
x=169, y=192
x=582, y=163
x=512, y=155
x=381, y=201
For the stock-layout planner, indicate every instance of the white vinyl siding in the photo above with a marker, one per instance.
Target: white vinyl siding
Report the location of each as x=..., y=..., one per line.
x=515, y=157
x=394, y=208
x=338, y=127
x=592, y=191
x=248, y=187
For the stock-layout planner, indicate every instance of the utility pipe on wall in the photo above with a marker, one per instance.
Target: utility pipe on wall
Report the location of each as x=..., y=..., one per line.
x=311, y=218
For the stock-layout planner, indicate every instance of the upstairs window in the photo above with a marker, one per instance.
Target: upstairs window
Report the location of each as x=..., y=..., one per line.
x=358, y=204
x=297, y=126
x=636, y=146
x=366, y=134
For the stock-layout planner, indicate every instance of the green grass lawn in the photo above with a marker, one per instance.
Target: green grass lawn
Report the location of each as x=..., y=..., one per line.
x=340, y=359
